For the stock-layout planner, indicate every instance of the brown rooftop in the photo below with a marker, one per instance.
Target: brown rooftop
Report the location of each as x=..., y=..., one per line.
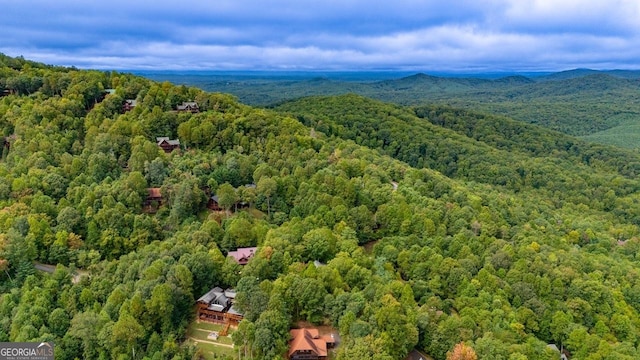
x=307, y=343
x=154, y=193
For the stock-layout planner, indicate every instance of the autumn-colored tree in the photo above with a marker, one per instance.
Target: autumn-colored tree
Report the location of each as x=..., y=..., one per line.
x=462, y=352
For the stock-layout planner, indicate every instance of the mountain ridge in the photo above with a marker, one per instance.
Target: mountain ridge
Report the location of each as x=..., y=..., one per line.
x=579, y=103
x=399, y=227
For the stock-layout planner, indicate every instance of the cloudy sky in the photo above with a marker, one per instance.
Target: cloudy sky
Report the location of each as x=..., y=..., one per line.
x=437, y=35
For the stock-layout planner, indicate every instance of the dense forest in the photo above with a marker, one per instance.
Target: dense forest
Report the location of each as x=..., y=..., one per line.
x=600, y=106
x=402, y=227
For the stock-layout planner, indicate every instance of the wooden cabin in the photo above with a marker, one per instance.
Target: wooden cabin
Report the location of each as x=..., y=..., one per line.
x=168, y=145
x=7, y=140
x=189, y=106
x=216, y=306
x=129, y=104
x=213, y=203
x=153, y=200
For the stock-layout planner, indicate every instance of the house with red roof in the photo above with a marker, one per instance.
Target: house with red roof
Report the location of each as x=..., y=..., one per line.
x=242, y=255
x=307, y=344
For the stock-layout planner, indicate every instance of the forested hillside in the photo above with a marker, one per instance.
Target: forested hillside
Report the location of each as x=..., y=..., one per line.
x=601, y=106
x=429, y=226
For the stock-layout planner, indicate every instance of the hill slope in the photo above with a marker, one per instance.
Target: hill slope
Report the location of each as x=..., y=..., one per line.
x=485, y=238
x=579, y=103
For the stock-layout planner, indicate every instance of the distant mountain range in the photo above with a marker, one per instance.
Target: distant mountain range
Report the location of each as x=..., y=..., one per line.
x=599, y=105
x=626, y=74
x=257, y=88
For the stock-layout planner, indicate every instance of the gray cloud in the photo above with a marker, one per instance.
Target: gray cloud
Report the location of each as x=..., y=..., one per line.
x=359, y=34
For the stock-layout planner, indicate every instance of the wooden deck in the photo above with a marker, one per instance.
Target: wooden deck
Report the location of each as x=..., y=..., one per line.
x=217, y=317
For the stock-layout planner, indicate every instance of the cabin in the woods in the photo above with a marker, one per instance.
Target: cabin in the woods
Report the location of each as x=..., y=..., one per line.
x=417, y=355
x=216, y=306
x=153, y=200
x=189, y=106
x=562, y=352
x=7, y=140
x=104, y=94
x=244, y=204
x=307, y=344
x=214, y=201
x=129, y=104
x=168, y=145
x=243, y=255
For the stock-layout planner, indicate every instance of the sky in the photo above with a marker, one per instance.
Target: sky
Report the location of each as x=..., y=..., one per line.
x=426, y=35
